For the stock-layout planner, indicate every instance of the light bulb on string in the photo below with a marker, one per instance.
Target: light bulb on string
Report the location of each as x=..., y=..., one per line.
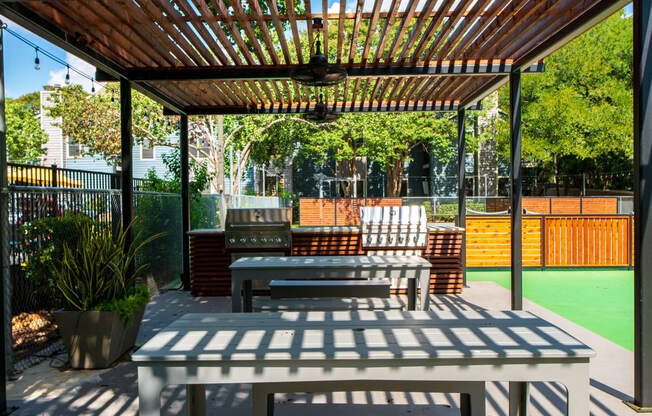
x=67, y=80
x=37, y=62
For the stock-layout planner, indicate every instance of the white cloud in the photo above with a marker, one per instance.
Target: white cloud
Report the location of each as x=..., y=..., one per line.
x=59, y=76
x=335, y=8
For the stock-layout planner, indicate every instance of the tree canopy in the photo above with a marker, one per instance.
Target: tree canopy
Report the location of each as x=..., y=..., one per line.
x=25, y=137
x=578, y=113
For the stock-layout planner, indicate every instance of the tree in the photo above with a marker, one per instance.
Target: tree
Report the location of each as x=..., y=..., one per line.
x=384, y=138
x=25, y=137
x=579, y=112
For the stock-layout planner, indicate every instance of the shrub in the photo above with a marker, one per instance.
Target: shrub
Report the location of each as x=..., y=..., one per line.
x=44, y=240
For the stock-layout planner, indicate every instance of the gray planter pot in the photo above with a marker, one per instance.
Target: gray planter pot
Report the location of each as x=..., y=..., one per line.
x=96, y=339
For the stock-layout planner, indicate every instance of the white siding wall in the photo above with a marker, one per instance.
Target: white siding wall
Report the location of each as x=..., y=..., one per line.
x=55, y=145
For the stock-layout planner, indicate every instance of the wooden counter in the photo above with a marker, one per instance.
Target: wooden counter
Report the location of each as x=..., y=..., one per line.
x=210, y=259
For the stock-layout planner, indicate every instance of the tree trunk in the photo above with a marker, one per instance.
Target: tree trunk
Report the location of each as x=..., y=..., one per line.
x=219, y=155
x=347, y=169
x=394, y=179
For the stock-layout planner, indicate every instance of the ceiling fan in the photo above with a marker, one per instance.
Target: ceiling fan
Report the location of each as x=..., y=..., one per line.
x=318, y=72
x=321, y=113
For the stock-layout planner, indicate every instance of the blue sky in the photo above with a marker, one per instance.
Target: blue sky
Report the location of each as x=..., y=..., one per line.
x=21, y=77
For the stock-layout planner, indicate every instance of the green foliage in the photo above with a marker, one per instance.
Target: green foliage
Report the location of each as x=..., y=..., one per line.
x=100, y=267
x=45, y=239
x=135, y=299
x=580, y=109
x=94, y=120
x=25, y=137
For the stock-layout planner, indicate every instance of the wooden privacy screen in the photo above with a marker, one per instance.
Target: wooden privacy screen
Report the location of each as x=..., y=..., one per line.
x=559, y=205
x=587, y=241
x=551, y=241
x=488, y=241
x=337, y=211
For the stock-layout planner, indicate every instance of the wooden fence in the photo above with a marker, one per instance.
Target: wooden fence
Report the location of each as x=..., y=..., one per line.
x=337, y=211
x=560, y=205
x=552, y=241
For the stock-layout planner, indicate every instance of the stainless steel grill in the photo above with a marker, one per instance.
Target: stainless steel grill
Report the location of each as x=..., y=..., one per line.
x=258, y=228
x=394, y=227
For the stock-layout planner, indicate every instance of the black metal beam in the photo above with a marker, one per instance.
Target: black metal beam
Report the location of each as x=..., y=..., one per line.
x=642, y=75
x=515, y=186
x=75, y=44
x=126, y=163
x=185, y=200
x=518, y=389
x=5, y=308
x=461, y=179
x=269, y=72
x=339, y=109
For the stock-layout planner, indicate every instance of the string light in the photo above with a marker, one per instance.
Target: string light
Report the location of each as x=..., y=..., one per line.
x=40, y=51
x=93, y=86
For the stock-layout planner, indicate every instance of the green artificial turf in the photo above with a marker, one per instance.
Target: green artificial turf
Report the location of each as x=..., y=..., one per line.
x=599, y=300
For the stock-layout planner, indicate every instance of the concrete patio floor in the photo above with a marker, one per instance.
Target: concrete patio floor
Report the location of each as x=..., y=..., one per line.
x=43, y=390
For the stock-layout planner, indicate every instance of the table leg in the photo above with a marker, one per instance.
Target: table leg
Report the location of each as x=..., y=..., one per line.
x=465, y=404
x=519, y=396
x=262, y=401
x=247, y=307
x=424, y=285
x=236, y=288
x=577, y=387
x=412, y=294
x=195, y=400
x=149, y=393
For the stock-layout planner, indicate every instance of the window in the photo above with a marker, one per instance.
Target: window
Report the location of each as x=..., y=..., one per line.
x=146, y=152
x=73, y=150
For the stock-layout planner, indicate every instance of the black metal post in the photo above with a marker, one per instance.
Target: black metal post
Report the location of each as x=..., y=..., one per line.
x=461, y=179
x=185, y=200
x=126, y=165
x=5, y=310
x=516, y=389
x=515, y=184
x=642, y=75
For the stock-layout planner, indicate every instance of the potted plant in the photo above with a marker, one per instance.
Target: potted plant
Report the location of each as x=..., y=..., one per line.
x=96, y=277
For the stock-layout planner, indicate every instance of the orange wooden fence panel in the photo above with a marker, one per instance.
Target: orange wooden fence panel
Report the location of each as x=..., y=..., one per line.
x=593, y=205
x=322, y=212
x=537, y=205
x=488, y=241
x=566, y=206
x=587, y=241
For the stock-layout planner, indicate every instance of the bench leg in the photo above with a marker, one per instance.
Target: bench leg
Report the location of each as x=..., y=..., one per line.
x=247, y=307
x=424, y=285
x=195, y=400
x=149, y=393
x=519, y=396
x=412, y=294
x=262, y=401
x=577, y=387
x=236, y=299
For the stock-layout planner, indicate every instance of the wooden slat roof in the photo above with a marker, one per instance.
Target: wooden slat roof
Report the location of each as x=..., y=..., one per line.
x=213, y=56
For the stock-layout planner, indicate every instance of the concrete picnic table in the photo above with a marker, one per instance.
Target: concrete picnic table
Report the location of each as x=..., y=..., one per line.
x=309, y=348
x=246, y=269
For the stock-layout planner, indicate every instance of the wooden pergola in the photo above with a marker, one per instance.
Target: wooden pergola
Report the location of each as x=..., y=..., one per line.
x=237, y=57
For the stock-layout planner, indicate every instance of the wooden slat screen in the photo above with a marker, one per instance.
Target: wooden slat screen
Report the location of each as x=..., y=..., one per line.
x=321, y=211
x=587, y=241
x=488, y=241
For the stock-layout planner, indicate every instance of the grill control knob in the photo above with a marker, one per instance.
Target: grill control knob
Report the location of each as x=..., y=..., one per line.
x=232, y=240
x=253, y=240
x=401, y=239
x=369, y=239
x=278, y=239
x=390, y=239
x=415, y=238
x=380, y=239
x=243, y=240
x=263, y=240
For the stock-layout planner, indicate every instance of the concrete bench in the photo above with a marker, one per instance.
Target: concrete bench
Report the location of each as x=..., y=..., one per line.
x=377, y=288
x=345, y=304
